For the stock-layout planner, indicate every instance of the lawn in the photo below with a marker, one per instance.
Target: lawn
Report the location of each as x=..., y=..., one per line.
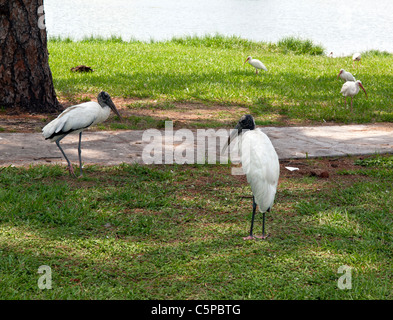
x=300, y=85
x=175, y=232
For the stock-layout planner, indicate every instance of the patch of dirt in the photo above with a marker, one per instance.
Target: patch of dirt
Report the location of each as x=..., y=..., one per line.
x=323, y=168
x=183, y=114
x=22, y=122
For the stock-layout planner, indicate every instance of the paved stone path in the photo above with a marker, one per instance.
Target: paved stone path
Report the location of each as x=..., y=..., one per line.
x=115, y=147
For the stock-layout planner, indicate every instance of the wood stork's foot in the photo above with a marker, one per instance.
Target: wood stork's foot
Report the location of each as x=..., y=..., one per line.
x=71, y=170
x=255, y=237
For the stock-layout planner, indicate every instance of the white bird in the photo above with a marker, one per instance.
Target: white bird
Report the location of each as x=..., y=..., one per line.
x=256, y=64
x=356, y=57
x=351, y=89
x=260, y=164
x=346, y=76
x=77, y=118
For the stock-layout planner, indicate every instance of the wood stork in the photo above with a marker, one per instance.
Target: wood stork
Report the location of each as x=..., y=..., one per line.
x=256, y=64
x=77, y=118
x=350, y=89
x=260, y=164
x=345, y=75
x=356, y=57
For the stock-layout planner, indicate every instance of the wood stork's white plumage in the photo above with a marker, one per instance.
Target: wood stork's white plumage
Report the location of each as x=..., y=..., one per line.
x=345, y=75
x=356, y=57
x=260, y=165
x=77, y=118
x=256, y=64
x=351, y=89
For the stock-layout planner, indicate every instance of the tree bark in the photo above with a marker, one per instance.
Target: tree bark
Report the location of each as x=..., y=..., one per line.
x=26, y=82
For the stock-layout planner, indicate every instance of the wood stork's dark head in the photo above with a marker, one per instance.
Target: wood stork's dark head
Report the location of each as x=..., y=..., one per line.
x=104, y=100
x=246, y=122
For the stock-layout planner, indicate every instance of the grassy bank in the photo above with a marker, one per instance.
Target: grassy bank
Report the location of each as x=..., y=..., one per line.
x=300, y=83
x=175, y=232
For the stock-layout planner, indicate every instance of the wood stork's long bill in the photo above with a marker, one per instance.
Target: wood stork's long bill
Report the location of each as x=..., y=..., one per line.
x=246, y=122
x=77, y=118
x=104, y=99
x=260, y=164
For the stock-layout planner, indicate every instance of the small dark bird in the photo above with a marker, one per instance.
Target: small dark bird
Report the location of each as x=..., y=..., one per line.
x=82, y=68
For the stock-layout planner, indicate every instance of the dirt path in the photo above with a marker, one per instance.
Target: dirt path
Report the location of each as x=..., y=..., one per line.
x=128, y=146
x=21, y=142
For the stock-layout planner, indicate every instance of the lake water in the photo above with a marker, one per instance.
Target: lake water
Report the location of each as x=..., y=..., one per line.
x=341, y=26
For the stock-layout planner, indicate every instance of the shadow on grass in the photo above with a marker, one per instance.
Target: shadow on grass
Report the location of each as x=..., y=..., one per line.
x=178, y=244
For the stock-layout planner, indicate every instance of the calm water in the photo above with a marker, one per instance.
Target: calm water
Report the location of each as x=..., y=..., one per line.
x=341, y=26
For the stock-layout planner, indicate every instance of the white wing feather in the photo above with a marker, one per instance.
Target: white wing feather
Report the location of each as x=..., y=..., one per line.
x=73, y=118
x=257, y=64
x=347, y=76
x=348, y=89
x=261, y=166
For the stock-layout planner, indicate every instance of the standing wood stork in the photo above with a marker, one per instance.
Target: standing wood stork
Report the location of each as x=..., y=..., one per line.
x=256, y=64
x=77, y=118
x=351, y=89
x=260, y=164
x=356, y=57
x=346, y=76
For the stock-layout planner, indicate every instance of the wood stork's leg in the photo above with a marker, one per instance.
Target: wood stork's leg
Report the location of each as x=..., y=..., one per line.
x=345, y=102
x=351, y=103
x=263, y=226
x=80, y=154
x=251, y=236
x=256, y=71
x=263, y=236
x=70, y=169
x=254, y=207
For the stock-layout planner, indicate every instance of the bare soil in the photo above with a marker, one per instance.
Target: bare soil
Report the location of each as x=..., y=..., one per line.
x=186, y=115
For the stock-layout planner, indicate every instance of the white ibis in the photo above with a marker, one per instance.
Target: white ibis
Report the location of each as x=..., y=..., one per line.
x=256, y=64
x=356, y=57
x=260, y=164
x=77, y=118
x=351, y=89
x=346, y=76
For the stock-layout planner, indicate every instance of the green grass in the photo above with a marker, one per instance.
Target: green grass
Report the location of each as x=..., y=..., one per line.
x=175, y=232
x=300, y=46
x=300, y=85
x=378, y=161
